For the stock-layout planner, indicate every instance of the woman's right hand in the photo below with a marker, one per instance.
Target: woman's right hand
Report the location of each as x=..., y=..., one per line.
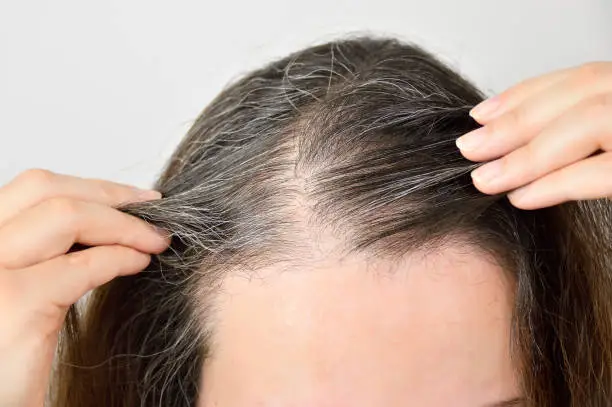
x=42, y=215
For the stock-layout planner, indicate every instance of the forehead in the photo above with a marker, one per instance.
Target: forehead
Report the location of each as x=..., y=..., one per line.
x=429, y=330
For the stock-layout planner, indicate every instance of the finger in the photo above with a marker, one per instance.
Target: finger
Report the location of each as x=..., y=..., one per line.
x=514, y=96
x=65, y=279
x=35, y=186
x=586, y=179
x=584, y=130
x=49, y=229
x=517, y=126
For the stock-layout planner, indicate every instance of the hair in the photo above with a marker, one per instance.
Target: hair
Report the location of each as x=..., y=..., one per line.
x=355, y=137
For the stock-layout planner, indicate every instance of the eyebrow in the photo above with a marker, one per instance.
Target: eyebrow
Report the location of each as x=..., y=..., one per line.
x=518, y=401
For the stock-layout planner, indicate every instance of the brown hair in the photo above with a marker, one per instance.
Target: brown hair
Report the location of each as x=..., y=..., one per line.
x=361, y=132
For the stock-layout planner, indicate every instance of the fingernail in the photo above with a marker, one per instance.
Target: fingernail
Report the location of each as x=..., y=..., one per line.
x=518, y=196
x=163, y=233
x=472, y=140
x=488, y=172
x=148, y=194
x=486, y=108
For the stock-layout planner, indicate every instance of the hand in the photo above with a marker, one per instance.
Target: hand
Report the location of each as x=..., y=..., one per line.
x=546, y=131
x=41, y=216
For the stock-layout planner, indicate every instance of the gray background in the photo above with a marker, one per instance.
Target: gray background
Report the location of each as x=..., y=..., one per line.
x=107, y=88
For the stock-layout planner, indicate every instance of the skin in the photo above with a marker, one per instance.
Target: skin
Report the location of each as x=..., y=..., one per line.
x=431, y=330
x=41, y=216
x=539, y=137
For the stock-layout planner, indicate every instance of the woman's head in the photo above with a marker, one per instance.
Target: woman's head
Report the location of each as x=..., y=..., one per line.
x=329, y=249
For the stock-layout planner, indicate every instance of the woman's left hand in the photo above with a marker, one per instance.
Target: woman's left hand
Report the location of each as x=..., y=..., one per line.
x=542, y=135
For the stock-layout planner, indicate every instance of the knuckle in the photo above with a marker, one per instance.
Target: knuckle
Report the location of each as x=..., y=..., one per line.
x=496, y=127
x=63, y=208
x=37, y=179
x=527, y=161
x=507, y=163
x=511, y=121
x=80, y=260
x=110, y=194
x=592, y=72
x=596, y=108
x=602, y=104
x=516, y=118
x=529, y=153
